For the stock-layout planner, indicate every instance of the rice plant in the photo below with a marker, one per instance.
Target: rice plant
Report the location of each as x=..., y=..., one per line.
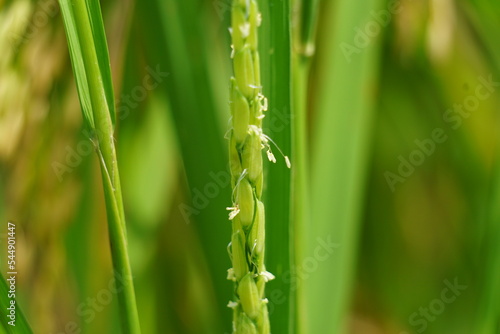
x=167, y=113
x=246, y=141
x=90, y=60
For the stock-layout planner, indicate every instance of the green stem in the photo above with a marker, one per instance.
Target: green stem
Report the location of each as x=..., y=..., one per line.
x=487, y=314
x=300, y=190
x=304, y=48
x=109, y=170
x=102, y=118
x=119, y=254
x=309, y=18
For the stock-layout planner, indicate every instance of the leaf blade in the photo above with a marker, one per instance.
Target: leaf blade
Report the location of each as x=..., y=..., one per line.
x=77, y=62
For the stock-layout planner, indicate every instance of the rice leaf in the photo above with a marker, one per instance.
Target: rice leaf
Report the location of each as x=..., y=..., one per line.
x=275, y=50
x=101, y=47
x=85, y=34
x=75, y=49
x=341, y=136
x=77, y=63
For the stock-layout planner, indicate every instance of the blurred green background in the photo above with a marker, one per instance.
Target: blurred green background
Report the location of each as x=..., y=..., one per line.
x=389, y=111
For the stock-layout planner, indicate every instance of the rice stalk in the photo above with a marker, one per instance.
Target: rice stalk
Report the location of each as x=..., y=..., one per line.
x=90, y=60
x=303, y=51
x=246, y=141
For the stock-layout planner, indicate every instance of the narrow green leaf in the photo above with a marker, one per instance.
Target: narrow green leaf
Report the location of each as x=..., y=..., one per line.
x=483, y=19
x=275, y=51
x=77, y=63
x=75, y=48
x=88, y=49
x=177, y=43
x=300, y=201
x=489, y=309
x=304, y=48
x=342, y=131
x=101, y=47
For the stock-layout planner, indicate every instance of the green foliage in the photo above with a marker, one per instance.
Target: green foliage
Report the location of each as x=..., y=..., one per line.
x=85, y=33
x=360, y=234
x=75, y=15
x=275, y=50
